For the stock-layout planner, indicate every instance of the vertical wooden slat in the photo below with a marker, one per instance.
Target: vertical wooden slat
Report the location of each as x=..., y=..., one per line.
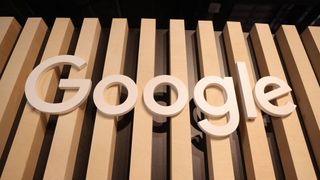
x=294, y=154
x=27, y=143
x=311, y=41
x=66, y=137
x=9, y=31
x=304, y=82
x=104, y=133
x=253, y=136
x=218, y=150
x=180, y=130
x=140, y=164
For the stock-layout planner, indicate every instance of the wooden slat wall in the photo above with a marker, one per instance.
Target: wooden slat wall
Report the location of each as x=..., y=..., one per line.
x=27, y=143
x=301, y=61
x=293, y=149
x=218, y=150
x=20, y=65
x=9, y=32
x=180, y=128
x=254, y=140
x=66, y=138
x=303, y=81
x=104, y=133
x=140, y=167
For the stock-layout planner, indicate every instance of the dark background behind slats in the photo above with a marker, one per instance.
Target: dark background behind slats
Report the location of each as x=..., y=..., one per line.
x=274, y=12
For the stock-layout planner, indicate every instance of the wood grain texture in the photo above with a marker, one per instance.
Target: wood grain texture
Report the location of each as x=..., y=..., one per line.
x=295, y=158
x=27, y=143
x=104, y=133
x=304, y=82
x=255, y=147
x=140, y=164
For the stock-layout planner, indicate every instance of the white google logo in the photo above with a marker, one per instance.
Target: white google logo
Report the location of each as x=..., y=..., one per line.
x=229, y=108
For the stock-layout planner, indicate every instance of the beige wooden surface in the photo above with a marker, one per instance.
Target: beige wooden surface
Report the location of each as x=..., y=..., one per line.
x=295, y=158
x=104, y=133
x=27, y=143
x=253, y=136
x=180, y=128
x=64, y=147
x=140, y=164
x=9, y=31
x=301, y=61
x=303, y=81
x=219, y=150
x=311, y=41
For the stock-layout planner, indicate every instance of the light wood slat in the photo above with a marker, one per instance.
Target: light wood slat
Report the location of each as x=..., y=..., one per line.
x=304, y=82
x=295, y=158
x=311, y=41
x=14, y=76
x=180, y=130
x=27, y=143
x=9, y=31
x=104, y=133
x=63, y=151
x=253, y=136
x=140, y=164
x=218, y=150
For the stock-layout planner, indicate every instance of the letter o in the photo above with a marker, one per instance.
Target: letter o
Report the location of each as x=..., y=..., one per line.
x=115, y=110
x=173, y=109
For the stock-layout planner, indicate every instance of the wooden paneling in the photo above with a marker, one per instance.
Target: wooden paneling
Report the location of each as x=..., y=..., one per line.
x=218, y=150
x=295, y=158
x=104, y=133
x=303, y=81
x=253, y=136
x=20, y=65
x=180, y=130
x=62, y=157
x=311, y=41
x=140, y=167
x=224, y=160
x=27, y=143
x=9, y=31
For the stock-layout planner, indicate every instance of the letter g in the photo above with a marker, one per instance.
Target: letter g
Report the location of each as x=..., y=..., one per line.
x=83, y=85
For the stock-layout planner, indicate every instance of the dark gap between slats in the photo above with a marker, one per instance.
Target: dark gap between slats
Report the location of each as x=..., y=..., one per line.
x=82, y=159
x=121, y=163
x=160, y=125
x=167, y=71
x=197, y=137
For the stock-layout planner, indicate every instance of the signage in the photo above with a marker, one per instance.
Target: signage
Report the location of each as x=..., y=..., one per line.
x=229, y=108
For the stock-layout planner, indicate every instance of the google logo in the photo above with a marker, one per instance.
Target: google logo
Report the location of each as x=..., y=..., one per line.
x=230, y=107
